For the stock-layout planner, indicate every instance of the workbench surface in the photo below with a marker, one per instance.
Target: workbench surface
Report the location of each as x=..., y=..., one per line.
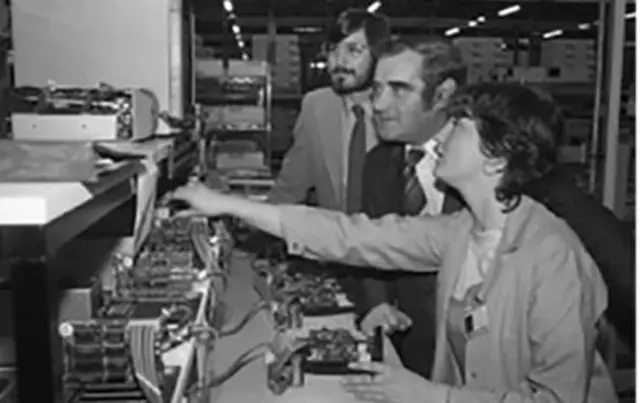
x=249, y=385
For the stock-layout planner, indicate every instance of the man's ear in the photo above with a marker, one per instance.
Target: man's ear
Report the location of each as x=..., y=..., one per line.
x=443, y=92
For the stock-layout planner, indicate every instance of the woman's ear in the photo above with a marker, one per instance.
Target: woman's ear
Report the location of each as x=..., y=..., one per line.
x=494, y=166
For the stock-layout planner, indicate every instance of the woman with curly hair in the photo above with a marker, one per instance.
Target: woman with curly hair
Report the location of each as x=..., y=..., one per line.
x=519, y=298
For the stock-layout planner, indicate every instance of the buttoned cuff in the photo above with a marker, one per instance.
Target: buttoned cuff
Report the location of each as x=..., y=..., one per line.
x=297, y=231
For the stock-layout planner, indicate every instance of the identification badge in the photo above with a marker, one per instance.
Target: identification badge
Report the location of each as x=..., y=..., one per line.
x=476, y=319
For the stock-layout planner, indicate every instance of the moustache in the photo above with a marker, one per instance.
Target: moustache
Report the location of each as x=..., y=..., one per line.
x=342, y=70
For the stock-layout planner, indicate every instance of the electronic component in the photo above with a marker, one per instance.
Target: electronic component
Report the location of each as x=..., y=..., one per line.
x=100, y=113
x=330, y=351
x=283, y=355
x=119, y=354
x=112, y=357
x=81, y=302
x=285, y=308
x=315, y=293
x=179, y=253
x=284, y=363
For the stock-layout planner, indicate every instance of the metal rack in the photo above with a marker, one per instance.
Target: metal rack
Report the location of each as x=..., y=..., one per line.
x=237, y=99
x=34, y=290
x=109, y=207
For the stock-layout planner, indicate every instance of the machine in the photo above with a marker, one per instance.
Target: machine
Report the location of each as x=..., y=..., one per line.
x=158, y=311
x=292, y=291
x=83, y=114
x=126, y=43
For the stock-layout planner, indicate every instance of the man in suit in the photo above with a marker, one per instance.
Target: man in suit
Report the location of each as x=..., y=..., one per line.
x=412, y=84
x=334, y=131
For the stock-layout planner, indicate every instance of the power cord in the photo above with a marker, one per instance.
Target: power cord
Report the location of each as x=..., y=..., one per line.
x=247, y=357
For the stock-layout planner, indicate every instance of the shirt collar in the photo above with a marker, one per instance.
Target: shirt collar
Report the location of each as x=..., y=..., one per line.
x=361, y=99
x=430, y=145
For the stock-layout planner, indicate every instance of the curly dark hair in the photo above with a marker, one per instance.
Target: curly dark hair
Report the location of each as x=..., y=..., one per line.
x=516, y=123
x=376, y=26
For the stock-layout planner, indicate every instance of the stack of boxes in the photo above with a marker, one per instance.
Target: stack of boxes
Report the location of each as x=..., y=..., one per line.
x=574, y=59
x=562, y=61
x=486, y=58
x=241, y=90
x=286, y=69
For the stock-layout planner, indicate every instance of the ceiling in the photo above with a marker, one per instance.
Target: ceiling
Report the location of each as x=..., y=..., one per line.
x=403, y=8
x=407, y=17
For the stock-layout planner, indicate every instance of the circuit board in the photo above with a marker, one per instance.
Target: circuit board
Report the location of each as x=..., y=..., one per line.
x=330, y=351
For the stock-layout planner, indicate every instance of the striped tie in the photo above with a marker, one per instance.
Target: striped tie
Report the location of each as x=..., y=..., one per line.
x=414, y=197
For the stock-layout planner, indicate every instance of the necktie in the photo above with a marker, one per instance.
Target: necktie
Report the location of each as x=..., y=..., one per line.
x=355, y=164
x=414, y=197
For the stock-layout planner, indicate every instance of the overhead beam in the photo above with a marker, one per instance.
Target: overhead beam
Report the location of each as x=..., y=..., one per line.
x=555, y=1
x=428, y=23
x=303, y=39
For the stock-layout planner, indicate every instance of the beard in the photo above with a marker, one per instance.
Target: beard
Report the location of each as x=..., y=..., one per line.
x=345, y=81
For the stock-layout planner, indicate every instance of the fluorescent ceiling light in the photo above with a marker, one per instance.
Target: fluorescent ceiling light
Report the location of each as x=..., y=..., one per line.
x=241, y=43
x=245, y=56
x=481, y=19
x=509, y=10
x=374, y=6
x=236, y=29
x=473, y=24
x=307, y=29
x=630, y=15
x=228, y=5
x=584, y=27
x=552, y=34
x=452, y=31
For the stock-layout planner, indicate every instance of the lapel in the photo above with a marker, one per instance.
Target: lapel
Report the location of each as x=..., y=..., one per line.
x=393, y=189
x=516, y=223
x=382, y=180
x=454, y=259
x=329, y=112
x=452, y=201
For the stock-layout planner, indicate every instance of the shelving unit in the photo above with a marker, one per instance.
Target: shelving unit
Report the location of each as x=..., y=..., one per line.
x=29, y=245
x=237, y=101
x=59, y=213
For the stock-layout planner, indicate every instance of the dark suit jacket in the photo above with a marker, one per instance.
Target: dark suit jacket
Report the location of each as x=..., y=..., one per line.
x=382, y=192
x=415, y=293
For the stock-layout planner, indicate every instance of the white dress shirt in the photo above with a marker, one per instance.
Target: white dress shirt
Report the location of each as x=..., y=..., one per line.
x=424, y=171
x=480, y=255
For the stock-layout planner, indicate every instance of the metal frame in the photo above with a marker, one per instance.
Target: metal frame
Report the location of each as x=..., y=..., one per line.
x=35, y=291
x=595, y=154
x=614, y=83
x=398, y=23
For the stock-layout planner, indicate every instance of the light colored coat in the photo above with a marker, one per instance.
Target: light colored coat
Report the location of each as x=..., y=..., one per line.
x=544, y=297
x=316, y=159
